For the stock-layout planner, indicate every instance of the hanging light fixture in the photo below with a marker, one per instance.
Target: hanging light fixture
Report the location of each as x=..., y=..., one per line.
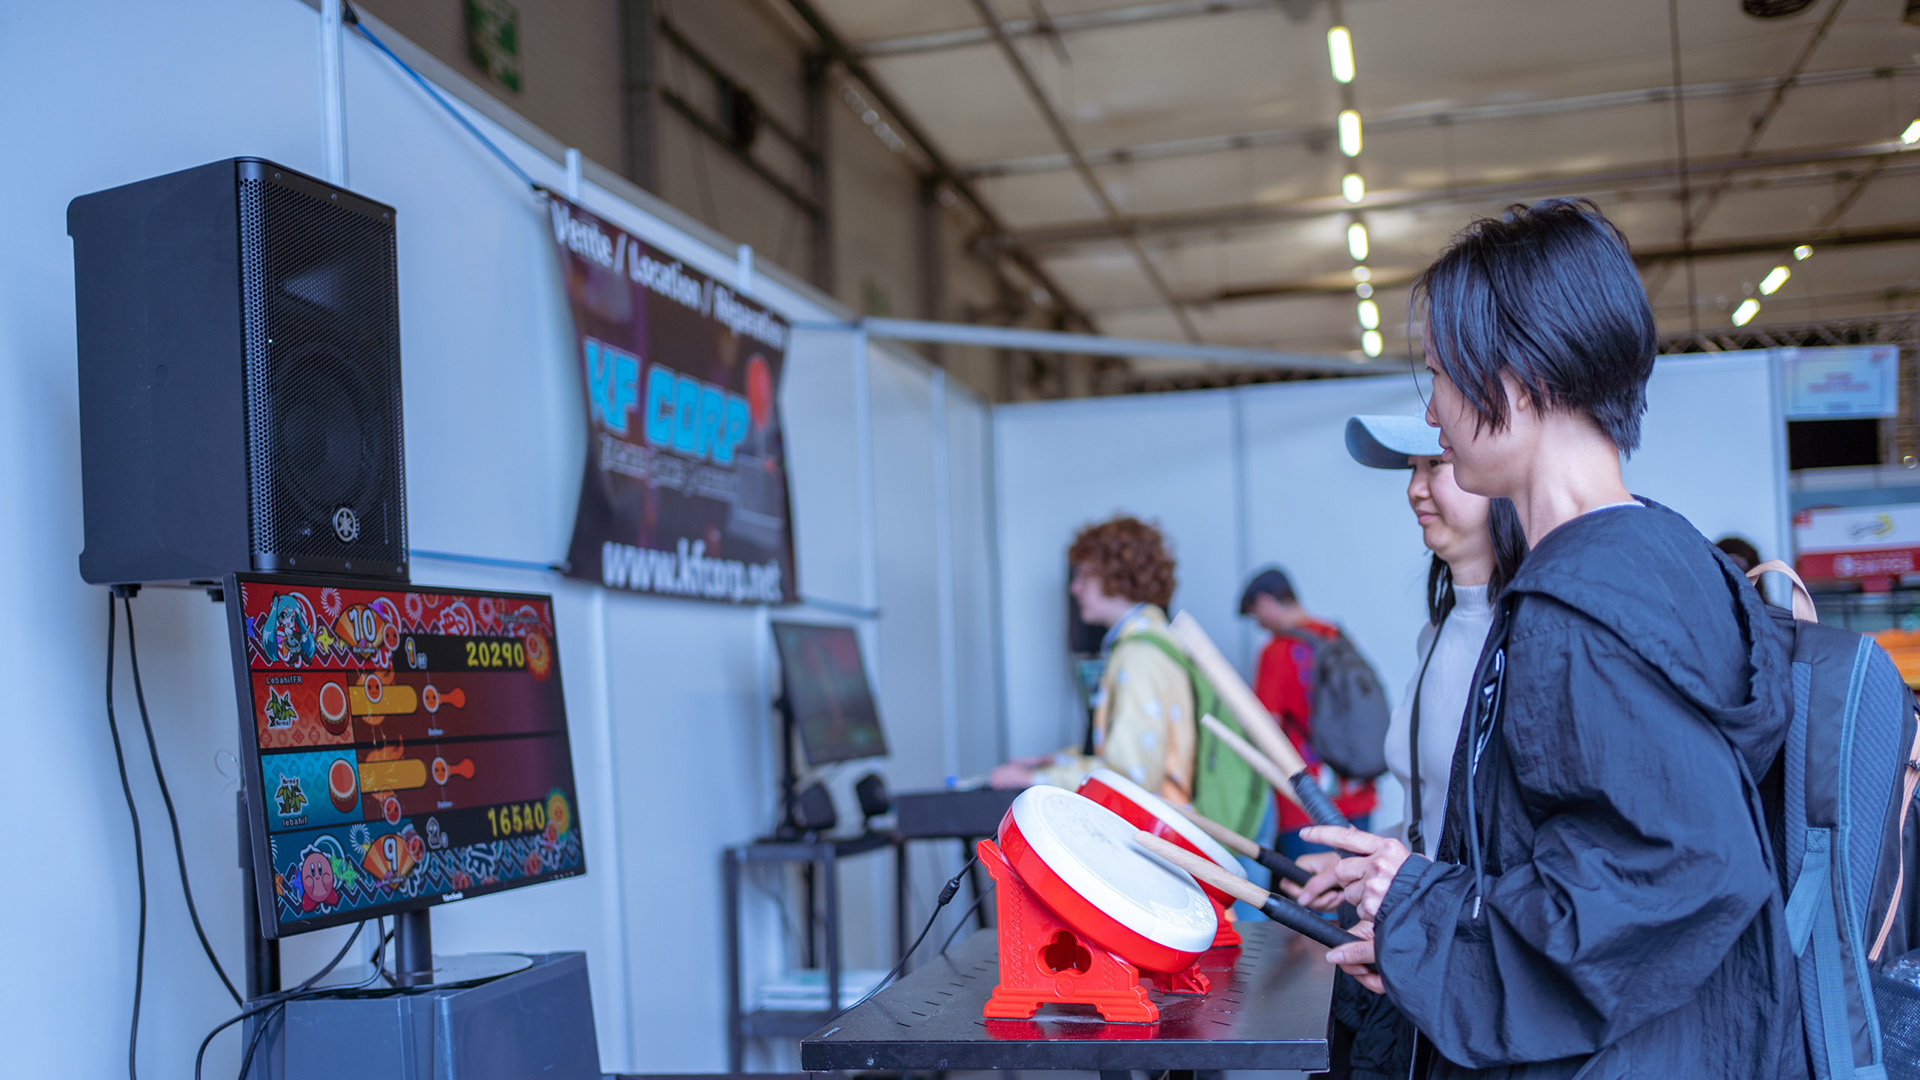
x=1350, y=132
x=1340, y=52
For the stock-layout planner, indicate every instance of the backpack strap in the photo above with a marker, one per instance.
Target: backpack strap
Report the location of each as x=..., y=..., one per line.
x=1803, y=608
x=1416, y=836
x=1907, y=786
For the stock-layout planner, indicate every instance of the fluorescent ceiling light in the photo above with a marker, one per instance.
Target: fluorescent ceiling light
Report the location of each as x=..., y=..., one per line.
x=1363, y=290
x=1357, y=241
x=1340, y=51
x=1361, y=273
x=1370, y=341
x=1744, y=314
x=1349, y=133
x=1353, y=187
x=1775, y=278
x=1803, y=253
x=1907, y=137
x=1369, y=315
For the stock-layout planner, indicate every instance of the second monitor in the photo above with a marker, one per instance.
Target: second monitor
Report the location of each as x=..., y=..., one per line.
x=827, y=693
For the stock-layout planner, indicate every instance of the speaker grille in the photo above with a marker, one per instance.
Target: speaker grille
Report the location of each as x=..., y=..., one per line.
x=321, y=290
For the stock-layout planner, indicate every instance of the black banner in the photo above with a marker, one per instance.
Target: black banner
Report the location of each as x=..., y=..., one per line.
x=685, y=492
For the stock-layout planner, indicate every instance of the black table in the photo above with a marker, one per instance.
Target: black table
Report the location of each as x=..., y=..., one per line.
x=1267, y=1010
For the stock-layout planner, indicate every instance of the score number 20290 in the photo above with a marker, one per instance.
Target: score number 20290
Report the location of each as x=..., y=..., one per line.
x=496, y=653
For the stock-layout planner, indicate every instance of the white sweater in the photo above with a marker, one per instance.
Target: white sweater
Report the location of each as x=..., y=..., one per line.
x=1443, y=703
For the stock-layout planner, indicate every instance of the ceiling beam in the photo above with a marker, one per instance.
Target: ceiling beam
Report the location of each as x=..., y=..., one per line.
x=1051, y=25
x=1421, y=116
x=941, y=170
x=1384, y=279
x=1114, y=219
x=1657, y=176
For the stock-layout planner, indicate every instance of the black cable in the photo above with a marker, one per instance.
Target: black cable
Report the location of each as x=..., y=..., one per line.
x=139, y=859
x=166, y=797
x=964, y=917
x=946, y=897
x=273, y=1001
x=379, y=972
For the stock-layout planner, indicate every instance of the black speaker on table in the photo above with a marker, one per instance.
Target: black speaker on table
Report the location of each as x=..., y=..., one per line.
x=239, y=347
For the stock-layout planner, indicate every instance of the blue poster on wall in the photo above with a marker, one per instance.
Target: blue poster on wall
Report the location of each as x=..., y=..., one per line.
x=685, y=492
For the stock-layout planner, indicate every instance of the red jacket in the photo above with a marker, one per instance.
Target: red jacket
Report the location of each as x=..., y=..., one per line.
x=1284, y=684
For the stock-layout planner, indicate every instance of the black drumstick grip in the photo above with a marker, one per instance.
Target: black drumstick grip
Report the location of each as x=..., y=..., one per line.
x=1299, y=919
x=1283, y=866
x=1315, y=802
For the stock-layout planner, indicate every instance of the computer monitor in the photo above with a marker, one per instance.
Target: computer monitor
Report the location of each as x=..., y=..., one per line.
x=827, y=692
x=403, y=746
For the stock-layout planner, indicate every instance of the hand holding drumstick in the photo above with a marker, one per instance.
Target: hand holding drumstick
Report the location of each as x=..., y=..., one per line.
x=1292, y=875
x=1278, y=908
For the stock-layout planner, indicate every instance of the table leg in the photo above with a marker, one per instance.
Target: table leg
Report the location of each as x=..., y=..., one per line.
x=830, y=872
x=900, y=901
x=810, y=915
x=730, y=888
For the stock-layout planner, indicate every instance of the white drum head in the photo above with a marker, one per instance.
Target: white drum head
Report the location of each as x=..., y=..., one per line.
x=1174, y=819
x=1092, y=849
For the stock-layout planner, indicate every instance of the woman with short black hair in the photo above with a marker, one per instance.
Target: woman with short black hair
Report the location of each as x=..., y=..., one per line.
x=1603, y=900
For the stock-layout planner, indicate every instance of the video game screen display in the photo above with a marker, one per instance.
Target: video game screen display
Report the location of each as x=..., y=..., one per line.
x=828, y=693
x=410, y=746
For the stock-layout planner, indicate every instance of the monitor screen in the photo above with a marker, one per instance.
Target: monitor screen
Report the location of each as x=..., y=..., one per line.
x=409, y=746
x=827, y=692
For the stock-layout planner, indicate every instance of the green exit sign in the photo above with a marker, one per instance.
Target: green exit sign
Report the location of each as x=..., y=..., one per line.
x=493, y=40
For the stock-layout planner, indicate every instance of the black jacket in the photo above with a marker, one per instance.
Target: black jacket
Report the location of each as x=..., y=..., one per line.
x=1624, y=919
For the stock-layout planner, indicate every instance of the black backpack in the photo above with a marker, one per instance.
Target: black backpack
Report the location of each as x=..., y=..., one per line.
x=1348, y=729
x=1841, y=806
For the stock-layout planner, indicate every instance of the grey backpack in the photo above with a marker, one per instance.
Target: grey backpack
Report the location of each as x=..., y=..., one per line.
x=1350, y=711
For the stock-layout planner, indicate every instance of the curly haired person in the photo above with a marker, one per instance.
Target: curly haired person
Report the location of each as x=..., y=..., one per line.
x=1143, y=722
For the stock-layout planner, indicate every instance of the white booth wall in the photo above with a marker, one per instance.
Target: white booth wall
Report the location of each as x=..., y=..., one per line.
x=936, y=525
x=1244, y=478
x=673, y=741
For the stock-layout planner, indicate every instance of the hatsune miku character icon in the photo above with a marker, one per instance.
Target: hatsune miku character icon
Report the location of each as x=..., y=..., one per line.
x=286, y=631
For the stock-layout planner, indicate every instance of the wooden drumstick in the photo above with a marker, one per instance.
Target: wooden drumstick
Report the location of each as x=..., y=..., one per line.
x=1275, y=907
x=1256, y=721
x=1234, y=842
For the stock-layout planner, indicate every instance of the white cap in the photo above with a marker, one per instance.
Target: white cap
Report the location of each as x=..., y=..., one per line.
x=1386, y=442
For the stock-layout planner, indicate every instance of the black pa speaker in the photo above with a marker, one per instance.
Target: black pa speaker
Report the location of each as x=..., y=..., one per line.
x=239, y=346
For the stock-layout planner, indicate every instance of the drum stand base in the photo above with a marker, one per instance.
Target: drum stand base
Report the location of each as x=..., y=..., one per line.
x=1045, y=961
x=1226, y=937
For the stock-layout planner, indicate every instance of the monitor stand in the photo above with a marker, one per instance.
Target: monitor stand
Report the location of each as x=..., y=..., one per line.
x=787, y=828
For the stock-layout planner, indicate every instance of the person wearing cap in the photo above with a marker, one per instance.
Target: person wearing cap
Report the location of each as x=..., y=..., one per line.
x=1603, y=901
x=1283, y=683
x=1476, y=545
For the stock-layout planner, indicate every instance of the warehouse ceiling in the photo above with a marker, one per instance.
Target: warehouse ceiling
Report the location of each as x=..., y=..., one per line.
x=1175, y=167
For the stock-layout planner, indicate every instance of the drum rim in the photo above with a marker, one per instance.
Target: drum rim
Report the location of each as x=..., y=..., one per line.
x=1098, y=895
x=1173, y=819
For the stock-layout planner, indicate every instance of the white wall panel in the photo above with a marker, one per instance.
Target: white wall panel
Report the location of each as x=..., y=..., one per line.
x=105, y=94
x=1062, y=465
x=673, y=740
x=977, y=660
x=908, y=630
x=816, y=395
x=1342, y=531
x=1708, y=445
